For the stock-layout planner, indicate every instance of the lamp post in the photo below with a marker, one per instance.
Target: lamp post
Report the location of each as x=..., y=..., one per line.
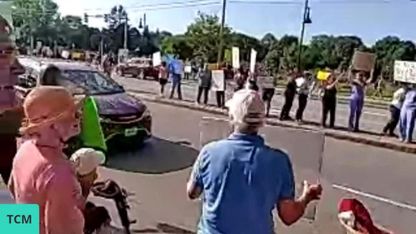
x=305, y=20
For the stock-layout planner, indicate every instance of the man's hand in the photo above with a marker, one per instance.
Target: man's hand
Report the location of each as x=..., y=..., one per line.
x=311, y=192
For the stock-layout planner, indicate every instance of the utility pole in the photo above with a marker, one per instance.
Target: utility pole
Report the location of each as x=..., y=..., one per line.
x=126, y=31
x=220, y=48
x=305, y=20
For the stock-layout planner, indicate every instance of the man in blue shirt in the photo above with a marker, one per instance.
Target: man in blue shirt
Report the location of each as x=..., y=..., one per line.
x=175, y=70
x=408, y=116
x=242, y=179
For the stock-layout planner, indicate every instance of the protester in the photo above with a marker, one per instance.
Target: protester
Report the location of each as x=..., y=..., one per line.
x=289, y=93
x=163, y=78
x=204, y=83
x=267, y=90
x=242, y=179
x=395, y=107
x=175, y=70
x=408, y=115
x=239, y=79
x=358, y=85
x=11, y=112
x=329, y=101
x=220, y=94
x=41, y=172
x=302, y=84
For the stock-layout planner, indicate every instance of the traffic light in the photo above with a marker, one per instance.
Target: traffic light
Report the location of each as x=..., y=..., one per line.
x=106, y=16
x=86, y=18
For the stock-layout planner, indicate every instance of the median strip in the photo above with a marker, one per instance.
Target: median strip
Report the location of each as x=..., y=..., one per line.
x=367, y=138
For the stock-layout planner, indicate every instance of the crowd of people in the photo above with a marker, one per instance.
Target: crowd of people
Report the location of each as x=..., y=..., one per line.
x=302, y=85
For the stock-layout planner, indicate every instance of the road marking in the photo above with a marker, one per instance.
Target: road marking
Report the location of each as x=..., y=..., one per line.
x=375, y=197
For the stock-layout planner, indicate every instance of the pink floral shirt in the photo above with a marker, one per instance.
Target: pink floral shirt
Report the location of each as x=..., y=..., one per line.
x=43, y=176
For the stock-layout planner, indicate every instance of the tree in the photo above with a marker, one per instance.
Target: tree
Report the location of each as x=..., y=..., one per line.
x=246, y=43
x=178, y=45
x=35, y=18
x=202, y=36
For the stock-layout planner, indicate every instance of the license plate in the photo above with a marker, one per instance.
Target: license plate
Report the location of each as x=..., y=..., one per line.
x=130, y=132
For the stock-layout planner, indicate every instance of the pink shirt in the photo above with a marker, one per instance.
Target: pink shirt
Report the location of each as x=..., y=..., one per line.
x=45, y=177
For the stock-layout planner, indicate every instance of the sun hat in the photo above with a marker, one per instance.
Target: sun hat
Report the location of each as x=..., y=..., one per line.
x=86, y=160
x=46, y=105
x=246, y=107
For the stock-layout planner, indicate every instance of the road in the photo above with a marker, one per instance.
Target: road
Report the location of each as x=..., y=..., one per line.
x=373, y=119
x=157, y=172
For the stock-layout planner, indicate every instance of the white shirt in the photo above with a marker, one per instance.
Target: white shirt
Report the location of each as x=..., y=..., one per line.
x=303, y=85
x=398, y=98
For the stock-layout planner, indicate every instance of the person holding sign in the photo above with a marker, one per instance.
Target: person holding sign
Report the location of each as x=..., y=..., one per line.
x=302, y=84
x=290, y=93
x=358, y=85
x=408, y=116
x=204, y=83
x=395, y=107
x=243, y=180
x=329, y=100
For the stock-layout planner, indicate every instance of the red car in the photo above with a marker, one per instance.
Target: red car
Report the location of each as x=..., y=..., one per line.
x=138, y=67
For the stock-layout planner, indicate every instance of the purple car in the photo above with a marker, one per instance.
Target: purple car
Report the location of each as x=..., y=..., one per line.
x=125, y=119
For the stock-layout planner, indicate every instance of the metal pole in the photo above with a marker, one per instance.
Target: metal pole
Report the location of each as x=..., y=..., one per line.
x=219, y=58
x=302, y=33
x=126, y=33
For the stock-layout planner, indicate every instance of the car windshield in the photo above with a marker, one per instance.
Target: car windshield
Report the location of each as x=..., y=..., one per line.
x=91, y=82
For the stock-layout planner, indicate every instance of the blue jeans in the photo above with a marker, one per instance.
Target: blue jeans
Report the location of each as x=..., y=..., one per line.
x=407, y=123
x=356, y=107
x=176, y=84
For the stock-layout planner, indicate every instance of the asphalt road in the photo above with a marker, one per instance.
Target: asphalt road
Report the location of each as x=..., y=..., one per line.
x=157, y=172
x=373, y=119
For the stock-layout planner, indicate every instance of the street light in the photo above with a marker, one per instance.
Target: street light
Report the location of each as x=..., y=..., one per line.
x=305, y=20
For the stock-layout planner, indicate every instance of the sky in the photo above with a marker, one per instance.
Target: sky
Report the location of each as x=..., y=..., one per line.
x=369, y=19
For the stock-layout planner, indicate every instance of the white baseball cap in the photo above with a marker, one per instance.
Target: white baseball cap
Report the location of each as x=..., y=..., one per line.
x=246, y=107
x=86, y=160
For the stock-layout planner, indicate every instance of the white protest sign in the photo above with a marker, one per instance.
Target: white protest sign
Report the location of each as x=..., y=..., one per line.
x=253, y=57
x=306, y=160
x=405, y=71
x=218, y=80
x=236, y=57
x=157, y=59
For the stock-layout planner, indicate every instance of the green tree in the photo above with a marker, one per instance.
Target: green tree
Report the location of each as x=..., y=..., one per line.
x=203, y=36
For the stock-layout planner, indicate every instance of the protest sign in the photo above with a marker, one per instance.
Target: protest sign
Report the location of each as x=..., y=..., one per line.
x=266, y=82
x=306, y=160
x=405, y=71
x=236, y=57
x=123, y=55
x=218, y=82
x=363, y=61
x=156, y=59
x=323, y=75
x=253, y=56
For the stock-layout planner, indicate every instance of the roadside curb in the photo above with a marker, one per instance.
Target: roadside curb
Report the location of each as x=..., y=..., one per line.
x=362, y=138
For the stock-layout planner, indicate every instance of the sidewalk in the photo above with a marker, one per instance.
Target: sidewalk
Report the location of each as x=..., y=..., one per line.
x=369, y=138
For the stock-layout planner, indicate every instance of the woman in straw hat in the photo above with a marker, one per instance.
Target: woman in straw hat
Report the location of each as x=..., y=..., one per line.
x=41, y=172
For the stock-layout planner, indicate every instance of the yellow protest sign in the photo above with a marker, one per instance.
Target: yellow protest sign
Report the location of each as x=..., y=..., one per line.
x=323, y=75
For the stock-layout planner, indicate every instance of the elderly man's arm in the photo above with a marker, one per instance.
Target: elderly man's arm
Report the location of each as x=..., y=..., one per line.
x=290, y=210
x=194, y=186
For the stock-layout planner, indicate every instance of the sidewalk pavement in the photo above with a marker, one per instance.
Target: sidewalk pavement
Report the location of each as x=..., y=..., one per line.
x=364, y=137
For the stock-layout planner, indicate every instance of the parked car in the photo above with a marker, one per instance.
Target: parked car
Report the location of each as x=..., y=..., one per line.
x=138, y=67
x=125, y=119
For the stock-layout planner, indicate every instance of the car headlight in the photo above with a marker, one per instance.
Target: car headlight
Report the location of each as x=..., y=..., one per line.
x=146, y=113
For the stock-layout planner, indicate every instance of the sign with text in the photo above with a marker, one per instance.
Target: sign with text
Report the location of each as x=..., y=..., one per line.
x=306, y=160
x=156, y=59
x=19, y=218
x=253, y=57
x=218, y=82
x=405, y=71
x=323, y=75
x=363, y=61
x=236, y=57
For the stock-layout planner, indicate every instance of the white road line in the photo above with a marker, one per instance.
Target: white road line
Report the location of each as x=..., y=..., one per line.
x=375, y=197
